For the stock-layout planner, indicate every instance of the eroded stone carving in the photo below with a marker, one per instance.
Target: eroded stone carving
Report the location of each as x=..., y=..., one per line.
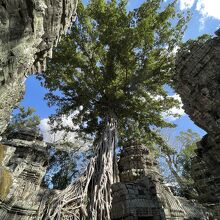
x=23, y=166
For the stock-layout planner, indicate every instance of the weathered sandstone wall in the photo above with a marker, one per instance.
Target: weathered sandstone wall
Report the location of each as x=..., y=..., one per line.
x=29, y=29
x=198, y=82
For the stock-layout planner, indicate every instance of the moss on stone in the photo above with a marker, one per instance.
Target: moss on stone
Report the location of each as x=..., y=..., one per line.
x=2, y=150
x=5, y=182
x=5, y=177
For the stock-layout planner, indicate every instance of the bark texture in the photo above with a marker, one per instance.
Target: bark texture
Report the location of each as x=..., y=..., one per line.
x=89, y=197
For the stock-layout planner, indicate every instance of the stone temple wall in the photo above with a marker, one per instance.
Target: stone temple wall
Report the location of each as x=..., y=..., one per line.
x=142, y=194
x=24, y=160
x=29, y=29
x=197, y=80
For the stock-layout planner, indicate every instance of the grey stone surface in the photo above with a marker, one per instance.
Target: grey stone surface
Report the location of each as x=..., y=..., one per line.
x=29, y=29
x=136, y=162
x=197, y=80
x=142, y=194
x=23, y=166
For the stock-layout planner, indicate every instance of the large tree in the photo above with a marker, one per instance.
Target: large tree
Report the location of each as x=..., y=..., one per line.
x=111, y=67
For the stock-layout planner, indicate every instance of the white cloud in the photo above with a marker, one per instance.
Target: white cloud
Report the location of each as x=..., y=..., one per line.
x=186, y=4
x=52, y=137
x=63, y=136
x=169, y=116
x=206, y=8
x=209, y=8
x=45, y=130
x=78, y=148
x=175, y=50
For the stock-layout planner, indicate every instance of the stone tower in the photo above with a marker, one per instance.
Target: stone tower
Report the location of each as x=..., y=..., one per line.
x=206, y=184
x=197, y=81
x=141, y=194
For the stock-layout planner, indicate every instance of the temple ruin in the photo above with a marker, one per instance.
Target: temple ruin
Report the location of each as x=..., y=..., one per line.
x=142, y=193
x=197, y=80
x=29, y=31
x=23, y=165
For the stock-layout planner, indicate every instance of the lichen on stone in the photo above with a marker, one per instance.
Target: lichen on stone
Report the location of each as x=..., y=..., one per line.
x=2, y=149
x=29, y=31
x=5, y=177
x=197, y=81
x=5, y=182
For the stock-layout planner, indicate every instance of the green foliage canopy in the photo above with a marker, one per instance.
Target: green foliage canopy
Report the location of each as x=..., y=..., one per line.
x=116, y=63
x=61, y=169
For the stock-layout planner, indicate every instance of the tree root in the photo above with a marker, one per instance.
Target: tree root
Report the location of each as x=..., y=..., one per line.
x=89, y=197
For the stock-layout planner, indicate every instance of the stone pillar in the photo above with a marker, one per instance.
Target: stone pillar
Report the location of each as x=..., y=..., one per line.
x=197, y=80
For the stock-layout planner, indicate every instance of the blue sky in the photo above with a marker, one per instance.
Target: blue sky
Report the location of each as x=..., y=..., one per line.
x=205, y=20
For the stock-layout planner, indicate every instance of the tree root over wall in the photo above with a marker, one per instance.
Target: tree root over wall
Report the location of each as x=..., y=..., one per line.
x=89, y=197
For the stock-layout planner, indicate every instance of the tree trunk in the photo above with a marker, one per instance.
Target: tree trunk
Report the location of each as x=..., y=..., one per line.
x=188, y=193
x=89, y=197
x=175, y=174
